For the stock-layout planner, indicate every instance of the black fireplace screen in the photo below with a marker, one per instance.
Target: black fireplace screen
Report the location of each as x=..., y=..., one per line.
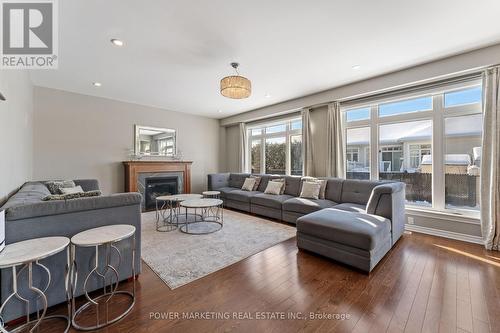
x=158, y=186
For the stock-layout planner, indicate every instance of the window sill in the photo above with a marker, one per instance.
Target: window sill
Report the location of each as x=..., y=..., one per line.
x=462, y=217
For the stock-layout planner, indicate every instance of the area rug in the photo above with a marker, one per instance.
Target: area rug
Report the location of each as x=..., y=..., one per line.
x=179, y=258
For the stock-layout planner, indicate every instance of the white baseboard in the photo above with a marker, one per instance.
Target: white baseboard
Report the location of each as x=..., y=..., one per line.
x=445, y=234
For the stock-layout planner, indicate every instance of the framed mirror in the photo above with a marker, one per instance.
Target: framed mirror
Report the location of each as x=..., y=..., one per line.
x=155, y=141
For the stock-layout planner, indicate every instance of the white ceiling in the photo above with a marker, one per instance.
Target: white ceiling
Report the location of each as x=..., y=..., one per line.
x=176, y=51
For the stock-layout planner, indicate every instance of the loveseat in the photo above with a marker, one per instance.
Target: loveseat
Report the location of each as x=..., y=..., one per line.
x=28, y=216
x=356, y=223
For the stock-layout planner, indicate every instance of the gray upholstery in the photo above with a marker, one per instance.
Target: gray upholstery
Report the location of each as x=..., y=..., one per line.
x=240, y=195
x=237, y=179
x=269, y=200
x=306, y=206
x=356, y=223
x=357, y=191
x=352, y=207
x=358, y=230
x=27, y=217
x=293, y=185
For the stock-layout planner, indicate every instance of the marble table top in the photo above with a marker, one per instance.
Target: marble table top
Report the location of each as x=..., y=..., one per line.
x=211, y=193
x=201, y=203
x=32, y=249
x=179, y=197
x=103, y=235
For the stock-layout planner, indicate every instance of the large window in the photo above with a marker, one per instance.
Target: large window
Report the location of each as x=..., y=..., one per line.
x=432, y=142
x=276, y=148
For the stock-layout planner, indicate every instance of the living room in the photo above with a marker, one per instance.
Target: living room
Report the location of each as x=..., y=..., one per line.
x=269, y=166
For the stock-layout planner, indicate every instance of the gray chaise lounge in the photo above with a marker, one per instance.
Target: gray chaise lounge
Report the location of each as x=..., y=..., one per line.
x=357, y=223
x=27, y=216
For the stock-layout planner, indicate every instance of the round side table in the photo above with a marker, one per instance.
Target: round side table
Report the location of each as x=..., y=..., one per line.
x=211, y=194
x=212, y=213
x=168, y=211
x=106, y=237
x=26, y=254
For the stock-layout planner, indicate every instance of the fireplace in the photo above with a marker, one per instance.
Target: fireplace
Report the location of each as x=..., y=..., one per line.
x=158, y=186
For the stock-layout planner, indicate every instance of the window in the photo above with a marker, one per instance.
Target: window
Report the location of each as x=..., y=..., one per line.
x=276, y=148
x=358, y=166
x=358, y=114
x=406, y=106
x=407, y=132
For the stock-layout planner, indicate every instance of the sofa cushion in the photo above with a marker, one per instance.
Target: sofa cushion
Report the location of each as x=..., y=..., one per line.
x=237, y=179
x=352, y=207
x=357, y=191
x=269, y=200
x=224, y=190
x=264, y=180
x=333, y=190
x=306, y=206
x=292, y=185
x=31, y=192
x=240, y=195
x=358, y=230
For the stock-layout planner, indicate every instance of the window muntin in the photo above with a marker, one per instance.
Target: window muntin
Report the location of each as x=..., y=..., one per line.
x=276, y=148
x=406, y=142
x=358, y=114
x=405, y=106
x=463, y=97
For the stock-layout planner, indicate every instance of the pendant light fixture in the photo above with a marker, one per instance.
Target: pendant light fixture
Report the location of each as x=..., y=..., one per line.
x=235, y=86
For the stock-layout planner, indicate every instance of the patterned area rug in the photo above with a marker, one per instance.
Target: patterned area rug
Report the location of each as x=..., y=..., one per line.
x=179, y=258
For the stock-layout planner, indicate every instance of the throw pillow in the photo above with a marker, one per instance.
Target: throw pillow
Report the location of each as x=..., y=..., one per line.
x=55, y=186
x=274, y=187
x=257, y=182
x=281, y=180
x=310, y=190
x=69, y=190
x=72, y=195
x=248, y=184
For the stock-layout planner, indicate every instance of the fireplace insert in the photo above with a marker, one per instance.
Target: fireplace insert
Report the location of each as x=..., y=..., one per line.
x=158, y=186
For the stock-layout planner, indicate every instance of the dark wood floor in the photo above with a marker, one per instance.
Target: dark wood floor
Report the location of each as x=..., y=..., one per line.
x=425, y=284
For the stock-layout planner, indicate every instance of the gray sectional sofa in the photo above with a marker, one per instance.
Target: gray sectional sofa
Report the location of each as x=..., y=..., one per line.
x=356, y=223
x=27, y=217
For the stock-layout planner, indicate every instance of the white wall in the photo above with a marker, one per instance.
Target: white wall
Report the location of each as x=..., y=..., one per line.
x=80, y=136
x=16, y=130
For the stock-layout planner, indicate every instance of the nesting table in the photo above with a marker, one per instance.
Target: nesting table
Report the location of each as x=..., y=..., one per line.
x=211, y=216
x=26, y=254
x=168, y=211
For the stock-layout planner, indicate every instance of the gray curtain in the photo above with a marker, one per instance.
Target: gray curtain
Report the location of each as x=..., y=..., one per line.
x=307, y=151
x=242, y=149
x=335, y=161
x=490, y=160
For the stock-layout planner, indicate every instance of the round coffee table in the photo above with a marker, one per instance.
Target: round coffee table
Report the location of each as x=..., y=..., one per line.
x=211, y=216
x=104, y=238
x=211, y=194
x=25, y=254
x=168, y=210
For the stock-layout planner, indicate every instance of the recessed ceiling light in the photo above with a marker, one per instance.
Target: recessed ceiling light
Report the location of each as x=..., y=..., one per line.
x=117, y=42
x=97, y=84
x=267, y=95
x=356, y=67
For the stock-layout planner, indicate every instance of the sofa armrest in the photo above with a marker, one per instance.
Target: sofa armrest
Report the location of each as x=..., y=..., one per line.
x=56, y=207
x=87, y=184
x=218, y=180
x=388, y=200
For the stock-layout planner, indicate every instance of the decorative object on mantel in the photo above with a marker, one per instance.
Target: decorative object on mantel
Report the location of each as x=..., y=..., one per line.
x=235, y=86
x=155, y=141
x=2, y=97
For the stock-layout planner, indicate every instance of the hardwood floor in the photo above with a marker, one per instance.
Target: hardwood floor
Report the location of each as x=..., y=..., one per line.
x=425, y=284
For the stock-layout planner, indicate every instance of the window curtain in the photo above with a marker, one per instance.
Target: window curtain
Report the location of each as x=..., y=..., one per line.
x=307, y=151
x=242, y=149
x=490, y=160
x=334, y=142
